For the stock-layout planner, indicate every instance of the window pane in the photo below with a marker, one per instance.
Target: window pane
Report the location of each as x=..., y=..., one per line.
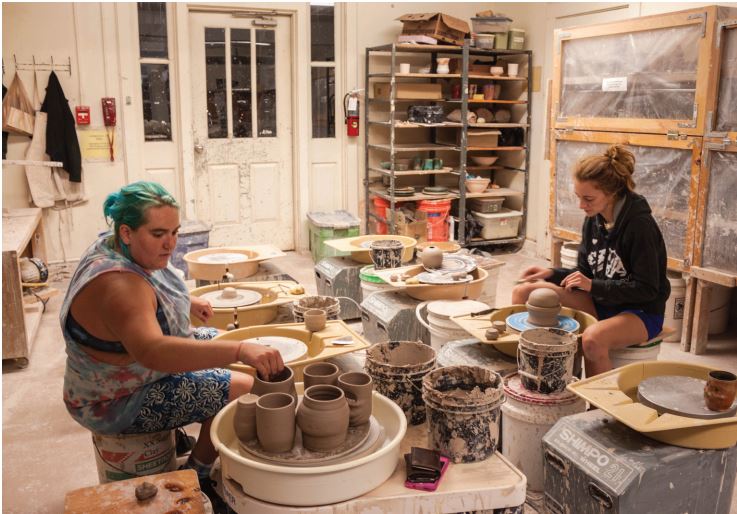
x=323, y=102
x=156, y=110
x=152, y=29
x=321, y=30
x=240, y=72
x=266, y=82
x=217, y=110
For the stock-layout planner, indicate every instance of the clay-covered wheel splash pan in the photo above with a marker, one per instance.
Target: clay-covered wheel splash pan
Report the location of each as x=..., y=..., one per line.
x=242, y=262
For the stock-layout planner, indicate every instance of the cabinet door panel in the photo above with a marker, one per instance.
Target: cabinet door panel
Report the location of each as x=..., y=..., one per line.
x=720, y=225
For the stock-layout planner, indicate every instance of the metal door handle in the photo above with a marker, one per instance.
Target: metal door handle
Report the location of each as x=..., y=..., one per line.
x=199, y=148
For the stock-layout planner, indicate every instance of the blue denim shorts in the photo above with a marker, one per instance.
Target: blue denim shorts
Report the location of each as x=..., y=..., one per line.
x=653, y=322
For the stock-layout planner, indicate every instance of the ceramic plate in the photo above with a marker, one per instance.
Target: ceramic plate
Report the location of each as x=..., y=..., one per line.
x=290, y=349
x=518, y=321
x=428, y=277
x=223, y=258
x=244, y=297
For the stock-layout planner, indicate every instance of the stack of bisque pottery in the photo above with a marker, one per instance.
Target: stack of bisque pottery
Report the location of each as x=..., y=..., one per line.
x=332, y=403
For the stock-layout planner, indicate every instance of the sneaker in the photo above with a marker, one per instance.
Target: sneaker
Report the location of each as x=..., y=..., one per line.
x=184, y=442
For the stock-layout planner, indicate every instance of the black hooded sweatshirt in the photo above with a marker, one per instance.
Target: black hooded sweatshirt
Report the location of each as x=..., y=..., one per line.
x=627, y=265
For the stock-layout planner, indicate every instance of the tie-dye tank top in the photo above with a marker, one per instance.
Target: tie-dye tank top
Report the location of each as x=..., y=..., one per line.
x=106, y=398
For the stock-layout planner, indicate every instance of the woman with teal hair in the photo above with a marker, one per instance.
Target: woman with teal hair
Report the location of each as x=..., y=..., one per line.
x=132, y=363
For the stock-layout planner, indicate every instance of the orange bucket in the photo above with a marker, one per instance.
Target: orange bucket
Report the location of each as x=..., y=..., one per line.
x=437, y=214
x=380, y=206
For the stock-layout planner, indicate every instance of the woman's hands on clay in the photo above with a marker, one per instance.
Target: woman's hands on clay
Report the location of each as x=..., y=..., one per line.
x=535, y=273
x=267, y=361
x=200, y=309
x=576, y=280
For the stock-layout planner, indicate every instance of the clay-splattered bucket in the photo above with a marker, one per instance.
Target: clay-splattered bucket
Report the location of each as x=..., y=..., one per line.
x=386, y=253
x=329, y=304
x=545, y=359
x=397, y=369
x=463, y=411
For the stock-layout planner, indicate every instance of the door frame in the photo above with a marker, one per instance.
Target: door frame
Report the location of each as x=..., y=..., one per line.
x=300, y=125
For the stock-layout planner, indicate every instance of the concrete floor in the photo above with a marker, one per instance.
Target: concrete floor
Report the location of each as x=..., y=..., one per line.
x=46, y=454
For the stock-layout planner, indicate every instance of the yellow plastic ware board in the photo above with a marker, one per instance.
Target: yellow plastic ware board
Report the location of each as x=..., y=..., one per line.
x=320, y=344
x=615, y=392
x=360, y=253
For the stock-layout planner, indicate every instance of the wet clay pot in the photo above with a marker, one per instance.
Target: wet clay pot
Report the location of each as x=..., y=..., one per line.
x=358, y=388
x=244, y=420
x=323, y=418
x=386, y=253
x=543, y=307
x=281, y=383
x=315, y=319
x=320, y=373
x=720, y=390
x=275, y=422
x=431, y=257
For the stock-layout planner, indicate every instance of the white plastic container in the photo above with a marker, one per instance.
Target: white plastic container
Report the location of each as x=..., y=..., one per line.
x=124, y=456
x=526, y=417
x=442, y=328
x=674, y=306
x=485, y=41
x=719, y=309
x=499, y=225
x=623, y=356
x=569, y=255
x=488, y=293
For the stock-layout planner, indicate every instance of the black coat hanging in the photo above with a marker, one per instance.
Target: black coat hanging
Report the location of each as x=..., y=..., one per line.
x=61, y=135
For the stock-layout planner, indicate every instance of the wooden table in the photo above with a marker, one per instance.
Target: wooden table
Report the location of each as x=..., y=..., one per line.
x=22, y=236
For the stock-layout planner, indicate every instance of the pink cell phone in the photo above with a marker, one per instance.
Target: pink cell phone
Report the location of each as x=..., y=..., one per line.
x=430, y=486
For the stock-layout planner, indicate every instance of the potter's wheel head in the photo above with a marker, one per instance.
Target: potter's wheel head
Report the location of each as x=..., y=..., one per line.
x=519, y=322
x=223, y=258
x=455, y=264
x=446, y=279
x=222, y=299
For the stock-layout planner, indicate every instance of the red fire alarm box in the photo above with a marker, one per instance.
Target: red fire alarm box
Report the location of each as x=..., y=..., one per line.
x=83, y=114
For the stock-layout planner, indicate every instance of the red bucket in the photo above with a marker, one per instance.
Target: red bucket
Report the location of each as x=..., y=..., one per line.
x=437, y=213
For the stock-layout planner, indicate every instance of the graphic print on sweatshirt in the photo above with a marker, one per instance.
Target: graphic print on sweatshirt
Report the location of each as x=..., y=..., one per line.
x=614, y=266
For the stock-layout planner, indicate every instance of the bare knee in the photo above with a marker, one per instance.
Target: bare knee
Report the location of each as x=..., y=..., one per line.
x=240, y=384
x=594, y=347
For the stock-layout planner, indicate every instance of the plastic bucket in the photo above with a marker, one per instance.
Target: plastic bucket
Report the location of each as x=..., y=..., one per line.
x=719, y=309
x=124, y=456
x=526, y=417
x=397, y=369
x=463, y=413
x=371, y=283
x=675, y=305
x=386, y=253
x=488, y=293
x=569, y=255
x=380, y=206
x=437, y=213
x=442, y=329
x=545, y=359
x=330, y=305
x=623, y=356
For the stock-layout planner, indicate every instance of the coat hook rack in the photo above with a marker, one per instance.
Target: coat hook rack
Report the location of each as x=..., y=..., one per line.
x=43, y=66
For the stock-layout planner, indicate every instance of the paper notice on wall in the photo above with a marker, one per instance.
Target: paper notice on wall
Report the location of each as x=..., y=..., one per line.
x=614, y=84
x=94, y=145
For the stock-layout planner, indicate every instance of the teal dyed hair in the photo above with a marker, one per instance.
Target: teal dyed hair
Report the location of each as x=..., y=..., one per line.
x=128, y=206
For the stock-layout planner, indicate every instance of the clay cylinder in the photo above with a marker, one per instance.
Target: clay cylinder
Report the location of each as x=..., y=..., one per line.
x=432, y=257
x=244, y=420
x=387, y=253
x=720, y=390
x=358, y=388
x=323, y=418
x=281, y=383
x=320, y=373
x=315, y=319
x=275, y=422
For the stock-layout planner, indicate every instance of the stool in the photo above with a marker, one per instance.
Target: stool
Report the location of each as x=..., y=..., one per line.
x=124, y=456
x=647, y=351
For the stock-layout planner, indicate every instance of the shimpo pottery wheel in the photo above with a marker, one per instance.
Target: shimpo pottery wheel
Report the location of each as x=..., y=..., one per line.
x=428, y=277
x=679, y=395
x=212, y=263
x=231, y=297
x=519, y=322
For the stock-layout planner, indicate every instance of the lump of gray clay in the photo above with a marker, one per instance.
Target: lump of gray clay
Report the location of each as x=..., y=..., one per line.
x=491, y=334
x=145, y=491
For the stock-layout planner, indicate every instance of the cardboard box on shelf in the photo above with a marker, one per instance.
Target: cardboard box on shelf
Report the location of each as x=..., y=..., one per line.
x=411, y=225
x=477, y=138
x=409, y=90
x=436, y=25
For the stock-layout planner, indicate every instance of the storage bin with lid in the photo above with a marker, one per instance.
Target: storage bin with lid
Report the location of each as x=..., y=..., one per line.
x=325, y=226
x=501, y=40
x=485, y=205
x=516, y=39
x=485, y=41
x=499, y=225
x=490, y=24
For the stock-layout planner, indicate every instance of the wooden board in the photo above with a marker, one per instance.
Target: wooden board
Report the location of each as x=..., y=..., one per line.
x=178, y=491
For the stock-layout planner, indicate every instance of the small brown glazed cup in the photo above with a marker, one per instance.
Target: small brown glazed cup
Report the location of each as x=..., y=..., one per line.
x=720, y=390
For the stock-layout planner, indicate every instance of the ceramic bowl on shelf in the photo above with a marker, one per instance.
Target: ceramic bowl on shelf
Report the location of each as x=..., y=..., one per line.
x=497, y=71
x=424, y=70
x=477, y=185
x=484, y=160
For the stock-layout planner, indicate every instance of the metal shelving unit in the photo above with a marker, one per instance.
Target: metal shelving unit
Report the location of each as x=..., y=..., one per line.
x=392, y=148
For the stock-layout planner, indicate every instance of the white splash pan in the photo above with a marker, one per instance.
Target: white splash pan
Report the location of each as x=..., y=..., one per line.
x=319, y=485
x=252, y=256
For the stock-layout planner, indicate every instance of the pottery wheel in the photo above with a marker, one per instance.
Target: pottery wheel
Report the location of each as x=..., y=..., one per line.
x=290, y=349
x=243, y=298
x=223, y=258
x=454, y=264
x=427, y=277
x=301, y=456
x=519, y=322
x=683, y=396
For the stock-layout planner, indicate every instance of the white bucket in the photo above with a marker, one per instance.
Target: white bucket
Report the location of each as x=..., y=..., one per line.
x=569, y=255
x=526, y=417
x=623, y=356
x=442, y=328
x=370, y=283
x=124, y=456
x=488, y=293
x=675, y=306
x=719, y=309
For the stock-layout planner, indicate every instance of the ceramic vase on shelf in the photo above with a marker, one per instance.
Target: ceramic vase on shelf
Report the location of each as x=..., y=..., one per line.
x=358, y=388
x=320, y=373
x=244, y=420
x=275, y=422
x=323, y=418
x=281, y=383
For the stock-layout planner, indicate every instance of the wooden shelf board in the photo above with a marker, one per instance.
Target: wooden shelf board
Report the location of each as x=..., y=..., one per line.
x=504, y=102
x=449, y=124
x=495, y=148
x=409, y=147
x=408, y=173
x=383, y=193
x=492, y=193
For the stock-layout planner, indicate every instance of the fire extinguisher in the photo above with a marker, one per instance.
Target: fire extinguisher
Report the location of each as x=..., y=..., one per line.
x=350, y=111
